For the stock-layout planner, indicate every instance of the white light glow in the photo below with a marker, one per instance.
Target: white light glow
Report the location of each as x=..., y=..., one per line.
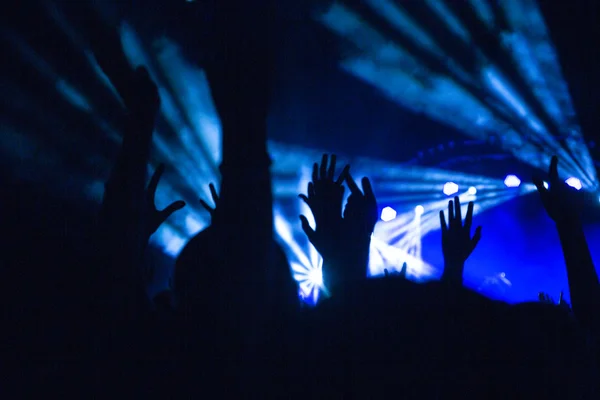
x=512, y=181
x=450, y=188
x=388, y=214
x=574, y=183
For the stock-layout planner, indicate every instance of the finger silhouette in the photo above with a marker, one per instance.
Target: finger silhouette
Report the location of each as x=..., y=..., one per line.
x=443, y=222
x=153, y=185
x=310, y=232
x=323, y=169
x=354, y=189
x=343, y=175
x=311, y=195
x=553, y=172
x=156, y=217
x=367, y=188
x=457, y=211
x=476, y=238
x=213, y=193
x=469, y=216
x=331, y=170
x=403, y=271
x=215, y=198
x=170, y=209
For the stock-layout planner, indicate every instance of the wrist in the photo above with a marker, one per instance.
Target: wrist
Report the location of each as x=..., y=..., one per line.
x=568, y=225
x=453, y=273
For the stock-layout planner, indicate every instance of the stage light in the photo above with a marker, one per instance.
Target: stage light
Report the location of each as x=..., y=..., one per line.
x=546, y=185
x=426, y=83
x=472, y=191
x=419, y=210
x=316, y=276
x=450, y=188
x=574, y=183
x=512, y=181
x=388, y=214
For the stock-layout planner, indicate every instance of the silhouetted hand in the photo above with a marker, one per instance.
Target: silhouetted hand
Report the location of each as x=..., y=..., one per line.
x=558, y=197
x=563, y=303
x=401, y=274
x=546, y=298
x=560, y=203
x=457, y=243
x=343, y=242
x=155, y=217
x=360, y=214
x=324, y=199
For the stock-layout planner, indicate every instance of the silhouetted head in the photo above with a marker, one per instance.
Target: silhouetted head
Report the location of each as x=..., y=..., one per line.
x=201, y=274
x=199, y=269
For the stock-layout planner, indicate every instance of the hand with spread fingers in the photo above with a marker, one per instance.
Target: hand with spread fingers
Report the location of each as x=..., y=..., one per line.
x=360, y=217
x=343, y=241
x=155, y=218
x=360, y=214
x=457, y=242
x=325, y=197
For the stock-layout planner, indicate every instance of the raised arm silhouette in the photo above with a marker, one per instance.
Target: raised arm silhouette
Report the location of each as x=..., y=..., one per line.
x=559, y=200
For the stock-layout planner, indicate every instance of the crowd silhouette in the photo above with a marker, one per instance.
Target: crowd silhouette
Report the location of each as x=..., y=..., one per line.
x=231, y=325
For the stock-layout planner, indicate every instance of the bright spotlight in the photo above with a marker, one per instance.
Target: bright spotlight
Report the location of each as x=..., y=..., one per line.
x=450, y=188
x=315, y=276
x=472, y=190
x=388, y=214
x=419, y=210
x=546, y=185
x=512, y=181
x=574, y=183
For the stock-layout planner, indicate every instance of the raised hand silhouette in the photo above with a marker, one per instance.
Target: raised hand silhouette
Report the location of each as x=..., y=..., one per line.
x=342, y=240
x=325, y=196
x=560, y=202
x=457, y=243
x=562, y=302
x=360, y=214
x=155, y=217
x=546, y=298
x=559, y=198
x=401, y=274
